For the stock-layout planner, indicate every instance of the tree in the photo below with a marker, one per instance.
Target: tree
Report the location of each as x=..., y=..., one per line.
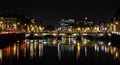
x=49, y=28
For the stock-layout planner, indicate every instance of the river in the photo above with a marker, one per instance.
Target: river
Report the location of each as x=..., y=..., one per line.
x=64, y=51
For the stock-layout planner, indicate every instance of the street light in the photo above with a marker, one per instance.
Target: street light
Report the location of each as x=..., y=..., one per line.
x=25, y=24
x=116, y=23
x=1, y=22
x=18, y=23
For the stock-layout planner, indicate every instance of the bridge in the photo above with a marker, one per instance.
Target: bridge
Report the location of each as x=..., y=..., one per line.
x=70, y=34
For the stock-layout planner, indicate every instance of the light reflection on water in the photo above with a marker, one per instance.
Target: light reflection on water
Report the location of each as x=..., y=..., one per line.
x=66, y=51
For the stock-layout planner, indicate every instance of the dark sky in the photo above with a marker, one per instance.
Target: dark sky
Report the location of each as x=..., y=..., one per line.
x=51, y=12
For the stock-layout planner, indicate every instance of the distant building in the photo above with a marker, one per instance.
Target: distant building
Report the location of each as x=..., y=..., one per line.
x=89, y=25
x=67, y=25
x=85, y=25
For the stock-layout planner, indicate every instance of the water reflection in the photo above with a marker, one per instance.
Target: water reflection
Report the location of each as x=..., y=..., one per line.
x=80, y=49
x=67, y=51
x=21, y=50
x=0, y=55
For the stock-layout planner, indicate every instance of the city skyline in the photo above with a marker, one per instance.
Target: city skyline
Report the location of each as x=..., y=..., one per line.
x=51, y=12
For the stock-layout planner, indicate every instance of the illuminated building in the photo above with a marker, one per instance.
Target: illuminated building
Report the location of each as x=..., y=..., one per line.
x=85, y=25
x=67, y=25
x=8, y=23
x=19, y=23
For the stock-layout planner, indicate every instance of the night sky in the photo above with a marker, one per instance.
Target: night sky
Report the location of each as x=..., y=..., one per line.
x=51, y=12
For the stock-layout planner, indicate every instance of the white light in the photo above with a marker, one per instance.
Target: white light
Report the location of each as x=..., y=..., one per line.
x=109, y=34
x=27, y=42
x=45, y=34
x=31, y=40
x=84, y=33
x=54, y=34
x=97, y=49
x=74, y=41
x=106, y=49
x=84, y=41
x=109, y=43
x=62, y=34
x=18, y=41
x=54, y=41
x=74, y=34
x=36, y=34
x=101, y=34
x=44, y=42
x=27, y=35
x=40, y=40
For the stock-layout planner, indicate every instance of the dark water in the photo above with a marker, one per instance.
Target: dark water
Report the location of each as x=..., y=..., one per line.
x=58, y=52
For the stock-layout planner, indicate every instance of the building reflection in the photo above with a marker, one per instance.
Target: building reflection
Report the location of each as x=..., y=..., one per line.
x=22, y=50
x=1, y=55
x=17, y=50
x=79, y=51
x=113, y=51
x=31, y=49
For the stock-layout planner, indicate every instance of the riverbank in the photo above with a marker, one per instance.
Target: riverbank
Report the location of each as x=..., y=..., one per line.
x=7, y=39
